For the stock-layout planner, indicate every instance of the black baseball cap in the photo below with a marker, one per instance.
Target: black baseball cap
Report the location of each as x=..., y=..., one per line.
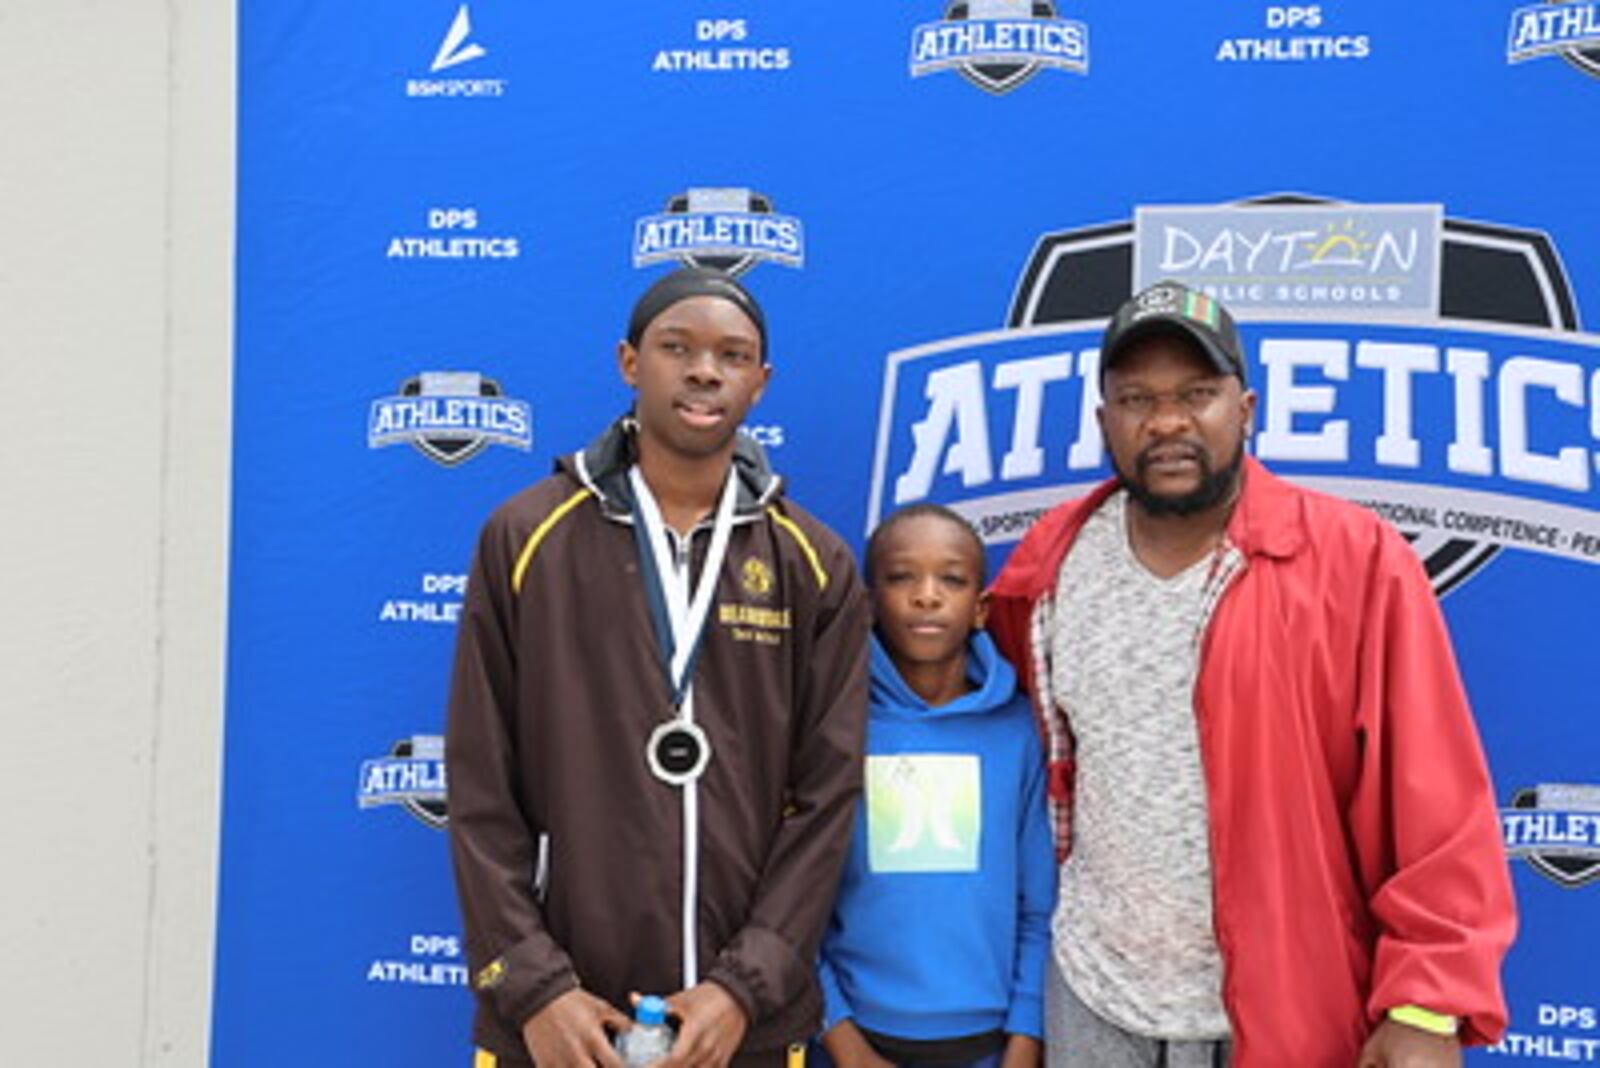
x=1173, y=308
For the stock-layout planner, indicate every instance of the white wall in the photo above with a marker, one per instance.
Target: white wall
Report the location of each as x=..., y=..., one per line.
x=116, y=186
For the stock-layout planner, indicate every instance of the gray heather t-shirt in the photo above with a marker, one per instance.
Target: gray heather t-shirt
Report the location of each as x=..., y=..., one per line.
x=1133, y=927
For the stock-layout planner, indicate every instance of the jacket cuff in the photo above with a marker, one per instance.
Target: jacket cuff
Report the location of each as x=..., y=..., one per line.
x=761, y=971
x=525, y=978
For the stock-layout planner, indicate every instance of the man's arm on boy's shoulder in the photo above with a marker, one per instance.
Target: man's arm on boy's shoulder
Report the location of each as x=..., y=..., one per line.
x=769, y=962
x=514, y=962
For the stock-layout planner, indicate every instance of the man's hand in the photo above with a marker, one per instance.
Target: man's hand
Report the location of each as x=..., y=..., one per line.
x=710, y=1027
x=849, y=1047
x=1398, y=1045
x=570, y=1032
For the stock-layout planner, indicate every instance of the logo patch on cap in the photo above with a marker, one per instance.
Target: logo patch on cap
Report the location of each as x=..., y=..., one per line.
x=1171, y=300
x=1200, y=308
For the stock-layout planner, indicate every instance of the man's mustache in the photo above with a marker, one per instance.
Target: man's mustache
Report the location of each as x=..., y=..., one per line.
x=1167, y=450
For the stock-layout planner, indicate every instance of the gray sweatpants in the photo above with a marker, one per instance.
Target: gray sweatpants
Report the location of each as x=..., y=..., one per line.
x=1076, y=1038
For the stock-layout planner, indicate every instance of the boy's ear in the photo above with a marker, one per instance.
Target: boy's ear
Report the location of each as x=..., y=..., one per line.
x=980, y=611
x=628, y=362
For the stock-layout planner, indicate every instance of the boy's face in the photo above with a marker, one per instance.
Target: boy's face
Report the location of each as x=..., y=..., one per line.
x=927, y=590
x=698, y=369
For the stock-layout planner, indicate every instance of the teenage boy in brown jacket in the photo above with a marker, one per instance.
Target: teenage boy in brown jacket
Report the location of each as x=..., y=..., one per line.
x=652, y=773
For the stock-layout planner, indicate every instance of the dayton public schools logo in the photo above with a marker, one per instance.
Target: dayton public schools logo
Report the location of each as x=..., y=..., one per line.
x=455, y=49
x=1430, y=368
x=1566, y=28
x=450, y=417
x=999, y=44
x=410, y=775
x=730, y=229
x=1555, y=827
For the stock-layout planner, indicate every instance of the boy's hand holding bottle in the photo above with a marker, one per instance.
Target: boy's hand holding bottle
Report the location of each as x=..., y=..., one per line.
x=572, y=1030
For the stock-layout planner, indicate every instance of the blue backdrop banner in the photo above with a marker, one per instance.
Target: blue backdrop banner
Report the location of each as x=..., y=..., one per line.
x=447, y=208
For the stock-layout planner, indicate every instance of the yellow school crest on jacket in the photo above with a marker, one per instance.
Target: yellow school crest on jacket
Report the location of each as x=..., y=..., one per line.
x=756, y=577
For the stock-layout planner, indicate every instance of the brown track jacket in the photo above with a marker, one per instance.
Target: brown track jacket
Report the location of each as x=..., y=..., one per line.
x=556, y=689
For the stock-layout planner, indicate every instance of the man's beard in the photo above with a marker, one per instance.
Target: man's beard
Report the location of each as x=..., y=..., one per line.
x=1214, y=487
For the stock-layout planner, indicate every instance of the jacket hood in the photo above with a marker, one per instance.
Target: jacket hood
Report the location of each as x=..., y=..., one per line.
x=994, y=681
x=602, y=466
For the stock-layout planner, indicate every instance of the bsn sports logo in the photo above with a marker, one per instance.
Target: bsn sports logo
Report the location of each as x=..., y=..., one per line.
x=410, y=775
x=456, y=48
x=730, y=229
x=1472, y=424
x=1566, y=28
x=998, y=45
x=450, y=417
x=1555, y=827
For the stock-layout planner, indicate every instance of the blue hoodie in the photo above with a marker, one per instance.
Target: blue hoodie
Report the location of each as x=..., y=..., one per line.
x=942, y=924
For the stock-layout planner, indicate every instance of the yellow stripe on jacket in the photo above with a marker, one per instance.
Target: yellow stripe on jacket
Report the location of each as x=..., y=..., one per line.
x=531, y=546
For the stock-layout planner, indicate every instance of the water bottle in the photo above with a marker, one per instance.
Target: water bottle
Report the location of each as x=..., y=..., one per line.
x=650, y=1039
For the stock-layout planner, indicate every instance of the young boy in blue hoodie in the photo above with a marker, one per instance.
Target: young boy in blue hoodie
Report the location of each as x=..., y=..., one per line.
x=936, y=951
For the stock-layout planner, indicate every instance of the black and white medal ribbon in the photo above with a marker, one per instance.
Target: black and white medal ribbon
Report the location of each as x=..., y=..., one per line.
x=678, y=750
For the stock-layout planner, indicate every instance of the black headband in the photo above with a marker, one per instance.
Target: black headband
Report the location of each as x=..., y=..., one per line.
x=689, y=282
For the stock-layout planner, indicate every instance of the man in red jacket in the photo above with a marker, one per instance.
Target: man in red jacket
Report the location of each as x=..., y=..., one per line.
x=1278, y=835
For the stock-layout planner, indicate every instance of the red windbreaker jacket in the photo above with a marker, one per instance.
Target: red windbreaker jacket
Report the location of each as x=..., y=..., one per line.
x=1356, y=855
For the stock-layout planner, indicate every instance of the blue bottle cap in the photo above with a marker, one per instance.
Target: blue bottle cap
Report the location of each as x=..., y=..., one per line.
x=650, y=1011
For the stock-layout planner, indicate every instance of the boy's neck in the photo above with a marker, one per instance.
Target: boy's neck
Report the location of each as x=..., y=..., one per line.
x=936, y=683
x=686, y=489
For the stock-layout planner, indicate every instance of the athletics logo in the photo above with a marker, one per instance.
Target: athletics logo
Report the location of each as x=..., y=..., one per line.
x=999, y=44
x=1555, y=827
x=728, y=229
x=410, y=775
x=1380, y=309
x=450, y=417
x=1566, y=28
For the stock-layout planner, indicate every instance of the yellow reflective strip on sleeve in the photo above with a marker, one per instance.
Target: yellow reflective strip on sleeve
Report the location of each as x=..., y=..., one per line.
x=484, y=1059
x=525, y=557
x=1434, y=1023
x=490, y=974
x=805, y=544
